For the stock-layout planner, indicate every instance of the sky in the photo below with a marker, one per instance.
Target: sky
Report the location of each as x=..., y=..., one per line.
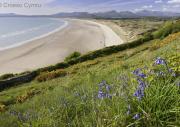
x=36, y=7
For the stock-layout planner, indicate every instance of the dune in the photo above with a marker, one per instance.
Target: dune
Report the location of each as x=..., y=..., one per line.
x=78, y=35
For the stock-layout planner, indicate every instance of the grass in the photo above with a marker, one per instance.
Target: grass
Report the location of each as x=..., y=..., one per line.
x=73, y=100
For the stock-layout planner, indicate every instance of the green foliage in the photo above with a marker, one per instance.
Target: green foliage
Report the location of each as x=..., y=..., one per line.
x=72, y=56
x=6, y=76
x=168, y=28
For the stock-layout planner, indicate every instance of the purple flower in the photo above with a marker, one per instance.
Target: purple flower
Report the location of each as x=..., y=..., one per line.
x=139, y=94
x=142, y=75
x=108, y=88
x=104, y=90
x=159, y=61
x=138, y=73
x=136, y=117
x=101, y=95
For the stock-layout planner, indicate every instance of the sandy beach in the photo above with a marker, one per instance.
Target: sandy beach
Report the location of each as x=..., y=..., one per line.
x=79, y=35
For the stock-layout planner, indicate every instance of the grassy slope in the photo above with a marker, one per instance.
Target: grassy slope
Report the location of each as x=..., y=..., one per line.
x=71, y=100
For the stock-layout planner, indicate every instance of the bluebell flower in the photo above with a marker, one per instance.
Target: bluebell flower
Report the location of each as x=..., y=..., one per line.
x=104, y=90
x=101, y=95
x=139, y=94
x=159, y=61
x=138, y=73
x=136, y=117
x=109, y=96
x=142, y=75
x=108, y=88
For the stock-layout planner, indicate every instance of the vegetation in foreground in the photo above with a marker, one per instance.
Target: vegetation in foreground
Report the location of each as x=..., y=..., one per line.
x=134, y=87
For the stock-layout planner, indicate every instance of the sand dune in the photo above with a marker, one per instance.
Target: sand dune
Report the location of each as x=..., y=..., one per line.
x=79, y=35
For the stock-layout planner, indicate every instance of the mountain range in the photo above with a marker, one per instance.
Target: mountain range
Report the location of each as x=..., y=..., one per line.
x=108, y=14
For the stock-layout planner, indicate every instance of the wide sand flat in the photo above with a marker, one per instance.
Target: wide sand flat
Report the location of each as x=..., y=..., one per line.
x=79, y=35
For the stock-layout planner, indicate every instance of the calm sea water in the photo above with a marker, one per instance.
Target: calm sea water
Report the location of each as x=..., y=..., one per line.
x=16, y=31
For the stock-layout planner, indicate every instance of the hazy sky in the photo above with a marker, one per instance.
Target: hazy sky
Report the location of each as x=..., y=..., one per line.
x=54, y=6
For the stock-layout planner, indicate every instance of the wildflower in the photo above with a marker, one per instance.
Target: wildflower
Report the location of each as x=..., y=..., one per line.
x=101, y=94
x=104, y=90
x=139, y=94
x=159, y=61
x=108, y=88
x=109, y=96
x=138, y=73
x=136, y=117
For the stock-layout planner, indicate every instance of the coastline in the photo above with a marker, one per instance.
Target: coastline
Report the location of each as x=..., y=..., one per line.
x=78, y=35
x=38, y=37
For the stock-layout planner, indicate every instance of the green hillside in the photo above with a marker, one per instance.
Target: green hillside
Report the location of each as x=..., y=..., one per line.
x=135, y=84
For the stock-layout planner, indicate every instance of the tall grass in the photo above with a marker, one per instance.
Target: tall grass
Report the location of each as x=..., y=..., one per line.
x=81, y=104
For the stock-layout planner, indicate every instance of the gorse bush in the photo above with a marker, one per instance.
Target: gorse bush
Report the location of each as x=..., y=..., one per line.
x=50, y=75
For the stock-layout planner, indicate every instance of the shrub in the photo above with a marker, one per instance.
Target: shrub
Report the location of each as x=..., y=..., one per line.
x=50, y=75
x=27, y=95
x=168, y=28
x=72, y=56
x=6, y=76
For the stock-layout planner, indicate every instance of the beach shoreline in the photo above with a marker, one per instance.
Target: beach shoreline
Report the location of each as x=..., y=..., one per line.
x=38, y=37
x=79, y=35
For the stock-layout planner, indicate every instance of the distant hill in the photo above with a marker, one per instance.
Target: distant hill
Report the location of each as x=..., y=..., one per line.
x=115, y=14
x=108, y=14
x=74, y=15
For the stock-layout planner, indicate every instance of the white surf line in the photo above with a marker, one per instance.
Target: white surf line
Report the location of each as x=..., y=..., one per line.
x=36, y=38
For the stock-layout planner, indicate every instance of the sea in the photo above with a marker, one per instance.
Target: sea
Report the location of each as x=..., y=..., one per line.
x=15, y=31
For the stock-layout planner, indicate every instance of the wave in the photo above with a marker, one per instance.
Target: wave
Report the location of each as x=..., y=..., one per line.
x=16, y=33
x=35, y=38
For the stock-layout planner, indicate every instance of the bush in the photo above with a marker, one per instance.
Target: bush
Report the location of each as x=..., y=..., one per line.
x=45, y=76
x=168, y=28
x=72, y=56
x=6, y=76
